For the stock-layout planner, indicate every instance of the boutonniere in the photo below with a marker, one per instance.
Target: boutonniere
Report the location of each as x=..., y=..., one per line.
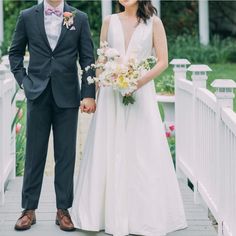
x=68, y=18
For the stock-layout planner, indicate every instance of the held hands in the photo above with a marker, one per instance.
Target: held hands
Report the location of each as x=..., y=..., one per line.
x=88, y=105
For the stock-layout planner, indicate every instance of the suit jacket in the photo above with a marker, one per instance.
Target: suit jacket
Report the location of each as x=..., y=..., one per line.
x=58, y=65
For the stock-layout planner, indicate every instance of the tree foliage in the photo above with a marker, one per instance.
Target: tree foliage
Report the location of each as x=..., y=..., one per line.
x=12, y=9
x=179, y=17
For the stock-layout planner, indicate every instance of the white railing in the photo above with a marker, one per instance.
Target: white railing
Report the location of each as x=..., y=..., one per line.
x=206, y=141
x=7, y=138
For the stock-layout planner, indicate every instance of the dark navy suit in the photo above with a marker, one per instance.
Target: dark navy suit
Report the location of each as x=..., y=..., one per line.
x=53, y=94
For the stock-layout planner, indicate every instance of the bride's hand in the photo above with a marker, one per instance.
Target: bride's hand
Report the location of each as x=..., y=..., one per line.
x=140, y=83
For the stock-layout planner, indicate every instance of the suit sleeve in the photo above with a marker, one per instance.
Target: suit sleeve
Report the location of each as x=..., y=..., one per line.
x=17, y=51
x=86, y=58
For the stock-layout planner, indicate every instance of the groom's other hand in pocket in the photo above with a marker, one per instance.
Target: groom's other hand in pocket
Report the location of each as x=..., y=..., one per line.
x=88, y=105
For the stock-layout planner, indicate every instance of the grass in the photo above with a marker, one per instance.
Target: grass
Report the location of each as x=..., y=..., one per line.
x=219, y=71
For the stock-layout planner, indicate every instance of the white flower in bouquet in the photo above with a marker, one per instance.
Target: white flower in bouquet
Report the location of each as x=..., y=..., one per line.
x=87, y=68
x=100, y=52
x=111, y=54
x=90, y=80
x=110, y=66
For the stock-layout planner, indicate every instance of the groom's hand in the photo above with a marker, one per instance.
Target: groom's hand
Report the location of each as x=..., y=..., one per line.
x=88, y=105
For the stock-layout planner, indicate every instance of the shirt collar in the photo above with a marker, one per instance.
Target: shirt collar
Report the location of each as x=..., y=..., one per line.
x=60, y=7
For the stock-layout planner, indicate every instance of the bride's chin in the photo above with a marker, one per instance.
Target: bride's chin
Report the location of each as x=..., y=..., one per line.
x=128, y=3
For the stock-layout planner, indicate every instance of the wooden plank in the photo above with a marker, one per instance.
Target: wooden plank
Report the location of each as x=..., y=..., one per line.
x=198, y=222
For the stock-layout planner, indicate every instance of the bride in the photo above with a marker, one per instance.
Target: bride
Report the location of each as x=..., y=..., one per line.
x=127, y=183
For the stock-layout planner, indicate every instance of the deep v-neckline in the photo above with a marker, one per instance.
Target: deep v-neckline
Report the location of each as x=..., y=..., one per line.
x=126, y=50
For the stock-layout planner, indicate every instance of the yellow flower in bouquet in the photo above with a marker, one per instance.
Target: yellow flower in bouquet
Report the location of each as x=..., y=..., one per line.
x=122, y=83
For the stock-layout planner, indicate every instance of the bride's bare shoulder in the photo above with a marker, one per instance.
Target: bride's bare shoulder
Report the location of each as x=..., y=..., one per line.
x=157, y=21
x=106, y=20
x=105, y=26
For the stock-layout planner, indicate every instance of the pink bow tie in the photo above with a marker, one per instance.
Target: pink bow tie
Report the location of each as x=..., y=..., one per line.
x=50, y=11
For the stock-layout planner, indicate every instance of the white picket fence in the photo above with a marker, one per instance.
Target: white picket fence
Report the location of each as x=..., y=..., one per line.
x=206, y=141
x=7, y=138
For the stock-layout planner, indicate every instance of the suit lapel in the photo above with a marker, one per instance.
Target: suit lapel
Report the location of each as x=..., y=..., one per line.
x=40, y=18
x=64, y=30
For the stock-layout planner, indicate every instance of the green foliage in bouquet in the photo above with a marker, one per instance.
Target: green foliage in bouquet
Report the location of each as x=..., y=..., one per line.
x=128, y=100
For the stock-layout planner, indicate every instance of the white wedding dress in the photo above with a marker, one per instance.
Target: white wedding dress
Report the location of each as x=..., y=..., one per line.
x=127, y=182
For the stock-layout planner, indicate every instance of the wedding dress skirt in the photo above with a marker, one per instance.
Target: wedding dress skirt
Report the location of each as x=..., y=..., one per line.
x=127, y=182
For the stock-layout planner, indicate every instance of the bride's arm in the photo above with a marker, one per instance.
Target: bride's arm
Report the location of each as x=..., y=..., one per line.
x=103, y=37
x=104, y=30
x=160, y=46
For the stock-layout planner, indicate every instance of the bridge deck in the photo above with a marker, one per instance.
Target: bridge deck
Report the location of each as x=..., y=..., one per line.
x=198, y=222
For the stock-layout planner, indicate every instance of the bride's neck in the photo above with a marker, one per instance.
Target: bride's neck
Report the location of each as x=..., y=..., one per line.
x=131, y=11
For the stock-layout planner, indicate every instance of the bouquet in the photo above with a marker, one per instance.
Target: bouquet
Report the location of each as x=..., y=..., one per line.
x=122, y=77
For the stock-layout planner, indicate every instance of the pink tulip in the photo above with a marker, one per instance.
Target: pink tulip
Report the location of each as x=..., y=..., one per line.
x=172, y=127
x=20, y=114
x=168, y=134
x=18, y=128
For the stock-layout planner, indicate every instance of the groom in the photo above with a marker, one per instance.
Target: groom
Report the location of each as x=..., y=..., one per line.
x=56, y=34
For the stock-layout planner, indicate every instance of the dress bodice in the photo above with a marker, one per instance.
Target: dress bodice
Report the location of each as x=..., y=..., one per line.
x=140, y=44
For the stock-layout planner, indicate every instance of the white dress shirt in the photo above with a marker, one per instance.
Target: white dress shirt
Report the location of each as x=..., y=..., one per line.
x=53, y=24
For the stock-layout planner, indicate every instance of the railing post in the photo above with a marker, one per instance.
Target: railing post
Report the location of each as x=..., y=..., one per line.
x=8, y=74
x=224, y=94
x=180, y=70
x=199, y=78
x=7, y=161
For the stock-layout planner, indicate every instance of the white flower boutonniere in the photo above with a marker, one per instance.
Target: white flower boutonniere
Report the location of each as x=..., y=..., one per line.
x=68, y=18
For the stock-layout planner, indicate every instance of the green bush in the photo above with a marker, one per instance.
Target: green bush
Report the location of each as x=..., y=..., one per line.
x=218, y=51
x=180, y=17
x=12, y=9
x=19, y=123
x=166, y=84
x=171, y=143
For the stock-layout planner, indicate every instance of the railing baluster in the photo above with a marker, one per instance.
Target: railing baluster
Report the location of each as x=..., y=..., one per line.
x=180, y=72
x=199, y=78
x=225, y=95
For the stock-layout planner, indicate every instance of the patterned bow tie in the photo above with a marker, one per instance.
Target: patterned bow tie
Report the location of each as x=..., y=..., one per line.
x=51, y=11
